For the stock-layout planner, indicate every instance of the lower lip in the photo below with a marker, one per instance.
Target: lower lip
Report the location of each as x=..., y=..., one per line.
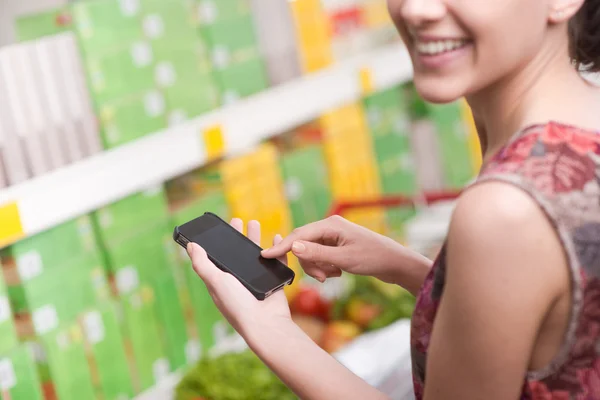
x=442, y=60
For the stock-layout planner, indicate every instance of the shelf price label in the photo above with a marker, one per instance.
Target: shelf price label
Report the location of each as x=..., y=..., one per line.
x=214, y=142
x=366, y=81
x=11, y=228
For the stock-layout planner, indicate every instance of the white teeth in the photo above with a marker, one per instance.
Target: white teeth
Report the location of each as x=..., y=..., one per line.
x=439, y=46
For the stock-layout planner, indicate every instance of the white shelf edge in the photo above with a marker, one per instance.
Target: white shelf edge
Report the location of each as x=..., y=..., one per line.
x=80, y=188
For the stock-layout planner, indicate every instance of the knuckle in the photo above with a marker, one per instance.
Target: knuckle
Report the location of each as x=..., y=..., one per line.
x=336, y=219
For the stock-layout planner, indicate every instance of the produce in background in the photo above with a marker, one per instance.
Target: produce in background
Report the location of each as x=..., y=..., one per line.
x=369, y=305
x=235, y=376
x=374, y=304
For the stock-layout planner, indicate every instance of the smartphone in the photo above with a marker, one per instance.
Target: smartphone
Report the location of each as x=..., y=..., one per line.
x=234, y=253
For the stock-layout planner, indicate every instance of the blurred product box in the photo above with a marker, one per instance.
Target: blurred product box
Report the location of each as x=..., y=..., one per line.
x=121, y=71
x=70, y=107
x=47, y=23
x=185, y=61
x=107, y=361
x=254, y=189
x=45, y=78
x=274, y=27
x=8, y=333
x=187, y=205
x=43, y=299
x=425, y=144
x=352, y=163
x=183, y=74
x=51, y=248
x=137, y=259
x=209, y=323
x=62, y=364
x=388, y=115
x=453, y=135
x=313, y=33
x=172, y=322
x=190, y=98
x=19, y=378
x=169, y=21
x=213, y=11
x=242, y=79
x=24, y=106
x=132, y=117
x=13, y=159
x=348, y=27
x=375, y=13
x=188, y=90
x=131, y=216
x=77, y=98
x=103, y=24
x=53, y=78
x=231, y=41
x=306, y=184
x=387, y=112
x=389, y=122
x=143, y=344
x=48, y=96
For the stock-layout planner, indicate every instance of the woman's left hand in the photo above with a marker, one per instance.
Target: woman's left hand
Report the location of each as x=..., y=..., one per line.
x=244, y=312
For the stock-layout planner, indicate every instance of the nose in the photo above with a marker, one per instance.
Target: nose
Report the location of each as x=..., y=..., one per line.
x=417, y=13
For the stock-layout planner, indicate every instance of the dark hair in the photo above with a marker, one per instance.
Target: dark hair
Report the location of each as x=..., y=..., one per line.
x=584, y=36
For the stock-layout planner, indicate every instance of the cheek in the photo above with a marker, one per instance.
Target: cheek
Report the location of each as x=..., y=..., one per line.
x=394, y=9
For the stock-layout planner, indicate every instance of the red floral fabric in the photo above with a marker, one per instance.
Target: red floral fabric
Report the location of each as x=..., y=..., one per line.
x=559, y=166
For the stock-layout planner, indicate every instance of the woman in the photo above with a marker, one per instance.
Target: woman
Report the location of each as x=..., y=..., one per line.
x=511, y=307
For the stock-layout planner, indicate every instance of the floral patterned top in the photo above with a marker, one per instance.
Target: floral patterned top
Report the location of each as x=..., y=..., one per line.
x=559, y=166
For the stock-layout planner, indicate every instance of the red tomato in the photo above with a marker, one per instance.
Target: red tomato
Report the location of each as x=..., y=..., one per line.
x=307, y=302
x=326, y=310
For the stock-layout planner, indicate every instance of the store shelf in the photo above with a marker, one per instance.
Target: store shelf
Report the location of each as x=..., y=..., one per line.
x=54, y=198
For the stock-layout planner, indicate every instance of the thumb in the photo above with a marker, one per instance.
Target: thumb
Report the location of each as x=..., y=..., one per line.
x=205, y=269
x=318, y=253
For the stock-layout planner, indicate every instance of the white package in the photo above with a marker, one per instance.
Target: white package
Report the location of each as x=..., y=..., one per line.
x=78, y=100
x=47, y=92
x=426, y=149
x=24, y=107
x=54, y=85
x=276, y=36
x=13, y=155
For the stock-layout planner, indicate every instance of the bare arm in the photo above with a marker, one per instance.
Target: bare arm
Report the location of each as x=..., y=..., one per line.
x=494, y=301
x=310, y=372
x=406, y=267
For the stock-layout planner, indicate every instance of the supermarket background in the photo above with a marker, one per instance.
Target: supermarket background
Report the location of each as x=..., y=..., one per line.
x=120, y=119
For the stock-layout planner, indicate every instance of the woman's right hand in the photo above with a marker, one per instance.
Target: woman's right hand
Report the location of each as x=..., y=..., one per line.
x=328, y=247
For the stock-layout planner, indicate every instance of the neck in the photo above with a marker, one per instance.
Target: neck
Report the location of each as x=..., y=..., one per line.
x=547, y=88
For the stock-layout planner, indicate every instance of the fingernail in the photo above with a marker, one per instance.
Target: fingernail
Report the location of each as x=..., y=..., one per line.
x=298, y=247
x=190, y=249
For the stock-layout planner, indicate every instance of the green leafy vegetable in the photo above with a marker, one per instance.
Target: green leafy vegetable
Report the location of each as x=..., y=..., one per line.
x=235, y=376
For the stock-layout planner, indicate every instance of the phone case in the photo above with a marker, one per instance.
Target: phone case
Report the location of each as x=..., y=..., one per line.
x=180, y=239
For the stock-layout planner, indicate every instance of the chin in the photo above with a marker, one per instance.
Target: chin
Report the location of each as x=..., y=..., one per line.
x=438, y=91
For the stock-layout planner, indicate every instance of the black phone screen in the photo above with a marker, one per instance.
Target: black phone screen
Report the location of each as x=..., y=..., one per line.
x=238, y=254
